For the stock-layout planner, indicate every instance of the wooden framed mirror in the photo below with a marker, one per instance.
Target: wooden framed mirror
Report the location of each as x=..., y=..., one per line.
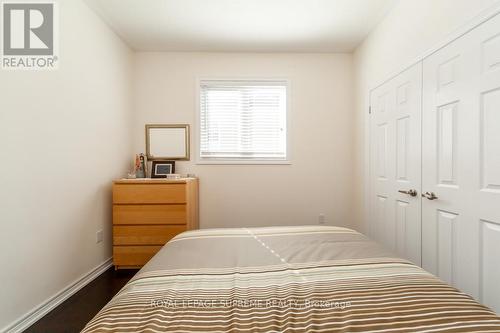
x=167, y=142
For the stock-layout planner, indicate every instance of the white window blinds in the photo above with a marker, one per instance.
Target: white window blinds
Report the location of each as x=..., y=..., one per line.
x=243, y=120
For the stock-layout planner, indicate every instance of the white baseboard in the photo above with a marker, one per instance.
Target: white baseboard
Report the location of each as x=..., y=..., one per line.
x=45, y=307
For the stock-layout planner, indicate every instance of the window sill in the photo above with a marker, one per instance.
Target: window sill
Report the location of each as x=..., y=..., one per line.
x=243, y=162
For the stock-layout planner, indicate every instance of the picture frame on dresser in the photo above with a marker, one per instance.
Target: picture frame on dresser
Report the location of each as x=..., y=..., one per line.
x=160, y=169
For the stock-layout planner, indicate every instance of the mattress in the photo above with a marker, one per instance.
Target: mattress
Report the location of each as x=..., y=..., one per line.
x=286, y=279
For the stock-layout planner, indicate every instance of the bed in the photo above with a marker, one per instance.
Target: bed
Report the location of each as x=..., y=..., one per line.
x=286, y=279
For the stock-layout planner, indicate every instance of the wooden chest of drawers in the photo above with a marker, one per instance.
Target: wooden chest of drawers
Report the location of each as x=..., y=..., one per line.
x=147, y=213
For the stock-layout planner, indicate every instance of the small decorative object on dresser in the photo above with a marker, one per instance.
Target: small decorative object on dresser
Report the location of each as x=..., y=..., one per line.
x=140, y=166
x=160, y=169
x=147, y=213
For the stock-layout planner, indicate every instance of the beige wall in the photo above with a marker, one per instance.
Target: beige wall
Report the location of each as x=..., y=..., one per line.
x=64, y=135
x=409, y=30
x=319, y=180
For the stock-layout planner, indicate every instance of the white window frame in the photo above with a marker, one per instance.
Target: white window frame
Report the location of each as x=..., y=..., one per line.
x=229, y=161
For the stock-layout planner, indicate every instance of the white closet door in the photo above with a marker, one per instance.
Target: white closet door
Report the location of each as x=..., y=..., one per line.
x=395, y=166
x=461, y=163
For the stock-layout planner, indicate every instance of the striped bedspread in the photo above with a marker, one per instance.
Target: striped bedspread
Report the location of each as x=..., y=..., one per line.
x=286, y=279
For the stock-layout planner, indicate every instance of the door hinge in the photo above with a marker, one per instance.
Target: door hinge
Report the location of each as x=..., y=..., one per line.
x=370, y=110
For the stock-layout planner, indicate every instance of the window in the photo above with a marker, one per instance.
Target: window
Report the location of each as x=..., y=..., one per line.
x=243, y=121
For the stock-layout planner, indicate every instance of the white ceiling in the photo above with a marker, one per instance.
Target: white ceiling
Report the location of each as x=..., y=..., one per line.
x=242, y=25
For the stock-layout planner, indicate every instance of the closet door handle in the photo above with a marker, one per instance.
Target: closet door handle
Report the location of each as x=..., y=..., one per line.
x=430, y=195
x=412, y=192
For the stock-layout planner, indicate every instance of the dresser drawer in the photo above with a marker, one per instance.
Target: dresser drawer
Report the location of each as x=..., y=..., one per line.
x=149, y=214
x=133, y=256
x=149, y=193
x=145, y=235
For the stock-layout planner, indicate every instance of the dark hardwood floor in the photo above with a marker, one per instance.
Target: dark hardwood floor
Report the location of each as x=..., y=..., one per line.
x=74, y=313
